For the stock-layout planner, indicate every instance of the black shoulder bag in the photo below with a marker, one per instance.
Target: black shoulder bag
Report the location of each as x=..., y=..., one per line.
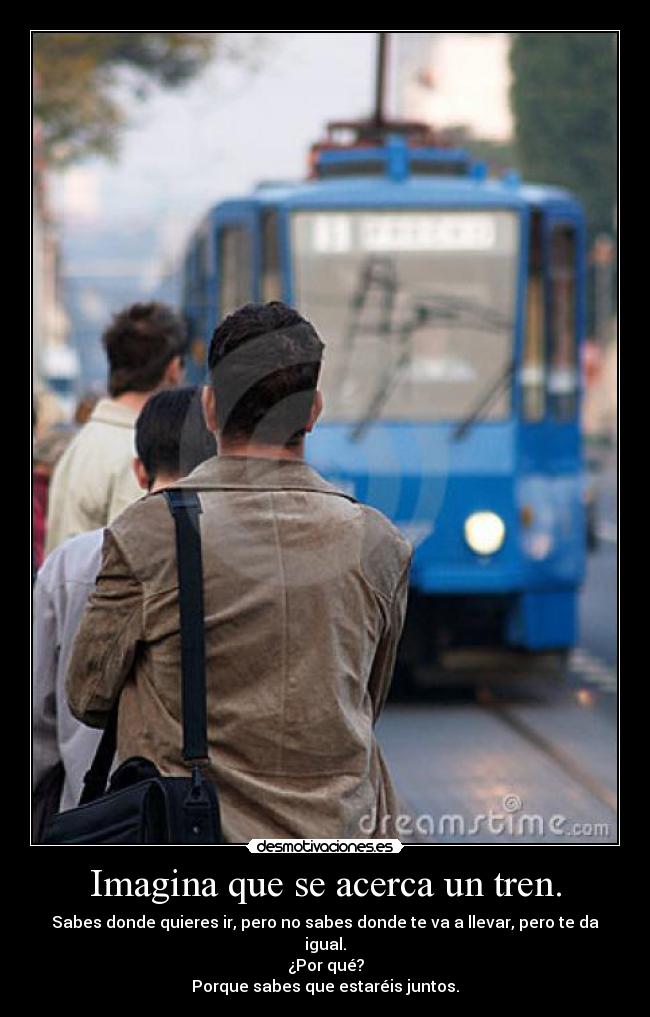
x=141, y=806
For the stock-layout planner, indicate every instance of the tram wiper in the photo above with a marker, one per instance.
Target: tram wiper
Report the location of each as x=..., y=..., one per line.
x=435, y=307
x=391, y=376
x=379, y=274
x=484, y=402
x=485, y=318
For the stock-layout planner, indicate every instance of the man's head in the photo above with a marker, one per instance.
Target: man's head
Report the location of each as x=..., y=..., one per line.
x=264, y=364
x=145, y=345
x=171, y=438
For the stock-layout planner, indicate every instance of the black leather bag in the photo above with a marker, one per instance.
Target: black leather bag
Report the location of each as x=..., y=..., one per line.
x=46, y=798
x=141, y=806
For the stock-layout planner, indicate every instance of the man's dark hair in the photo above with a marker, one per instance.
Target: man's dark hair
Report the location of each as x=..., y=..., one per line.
x=140, y=342
x=264, y=364
x=171, y=438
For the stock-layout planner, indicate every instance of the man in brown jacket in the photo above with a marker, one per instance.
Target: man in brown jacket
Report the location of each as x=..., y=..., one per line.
x=305, y=594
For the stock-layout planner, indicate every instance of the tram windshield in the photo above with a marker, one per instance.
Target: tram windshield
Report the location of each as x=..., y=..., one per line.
x=416, y=309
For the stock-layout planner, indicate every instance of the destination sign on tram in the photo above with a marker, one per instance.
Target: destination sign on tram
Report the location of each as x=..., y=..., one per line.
x=385, y=233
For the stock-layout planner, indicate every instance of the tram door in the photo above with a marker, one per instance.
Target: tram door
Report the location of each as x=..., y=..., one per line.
x=550, y=369
x=550, y=375
x=562, y=249
x=199, y=304
x=550, y=484
x=235, y=274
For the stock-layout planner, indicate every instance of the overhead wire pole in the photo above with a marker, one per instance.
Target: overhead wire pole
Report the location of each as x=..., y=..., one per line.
x=380, y=82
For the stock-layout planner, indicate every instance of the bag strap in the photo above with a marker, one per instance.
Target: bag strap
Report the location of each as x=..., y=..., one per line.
x=95, y=779
x=185, y=508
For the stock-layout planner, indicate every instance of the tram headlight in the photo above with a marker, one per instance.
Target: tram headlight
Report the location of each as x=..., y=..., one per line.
x=485, y=532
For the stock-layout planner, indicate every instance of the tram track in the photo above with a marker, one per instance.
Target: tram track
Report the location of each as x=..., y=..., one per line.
x=534, y=740
x=566, y=763
x=545, y=720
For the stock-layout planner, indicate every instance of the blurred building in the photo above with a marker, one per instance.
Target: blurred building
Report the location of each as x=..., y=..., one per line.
x=55, y=364
x=452, y=79
x=110, y=261
x=106, y=268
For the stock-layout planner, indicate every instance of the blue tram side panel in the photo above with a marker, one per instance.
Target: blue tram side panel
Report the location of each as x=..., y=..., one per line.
x=452, y=309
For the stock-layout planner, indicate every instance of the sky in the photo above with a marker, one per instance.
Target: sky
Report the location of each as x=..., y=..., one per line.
x=230, y=128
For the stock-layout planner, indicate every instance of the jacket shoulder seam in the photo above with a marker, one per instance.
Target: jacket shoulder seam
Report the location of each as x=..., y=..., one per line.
x=388, y=598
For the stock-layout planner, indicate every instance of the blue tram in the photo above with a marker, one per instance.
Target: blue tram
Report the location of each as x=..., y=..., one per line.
x=452, y=308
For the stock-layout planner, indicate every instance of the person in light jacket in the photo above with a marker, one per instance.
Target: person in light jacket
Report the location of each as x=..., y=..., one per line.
x=305, y=593
x=171, y=439
x=93, y=481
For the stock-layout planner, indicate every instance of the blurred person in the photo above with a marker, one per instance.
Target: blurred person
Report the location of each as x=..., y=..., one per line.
x=171, y=439
x=84, y=408
x=48, y=411
x=93, y=482
x=305, y=592
x=47, y=450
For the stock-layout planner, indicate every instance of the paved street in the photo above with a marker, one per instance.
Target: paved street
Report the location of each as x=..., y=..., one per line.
x=598, y=618
x=530, y=760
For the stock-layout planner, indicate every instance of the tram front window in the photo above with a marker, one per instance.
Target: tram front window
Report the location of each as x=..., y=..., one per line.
x=416, y=309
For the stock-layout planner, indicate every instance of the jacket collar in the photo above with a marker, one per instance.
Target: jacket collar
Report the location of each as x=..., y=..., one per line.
x=107, y=411
x=236, y=473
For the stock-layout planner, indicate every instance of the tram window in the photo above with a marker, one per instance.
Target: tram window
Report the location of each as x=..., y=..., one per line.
x=203, y=258
x=271, y=276
x=235, y=275
x=417, y=306
x=187, y=282
x=533, y=375
x=190, y=295
x=563, y=373
x=201, y=276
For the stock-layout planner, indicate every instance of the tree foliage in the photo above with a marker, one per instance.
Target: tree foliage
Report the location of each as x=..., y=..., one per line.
x=499, y=156
x=563, y=99
x=76, y=76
